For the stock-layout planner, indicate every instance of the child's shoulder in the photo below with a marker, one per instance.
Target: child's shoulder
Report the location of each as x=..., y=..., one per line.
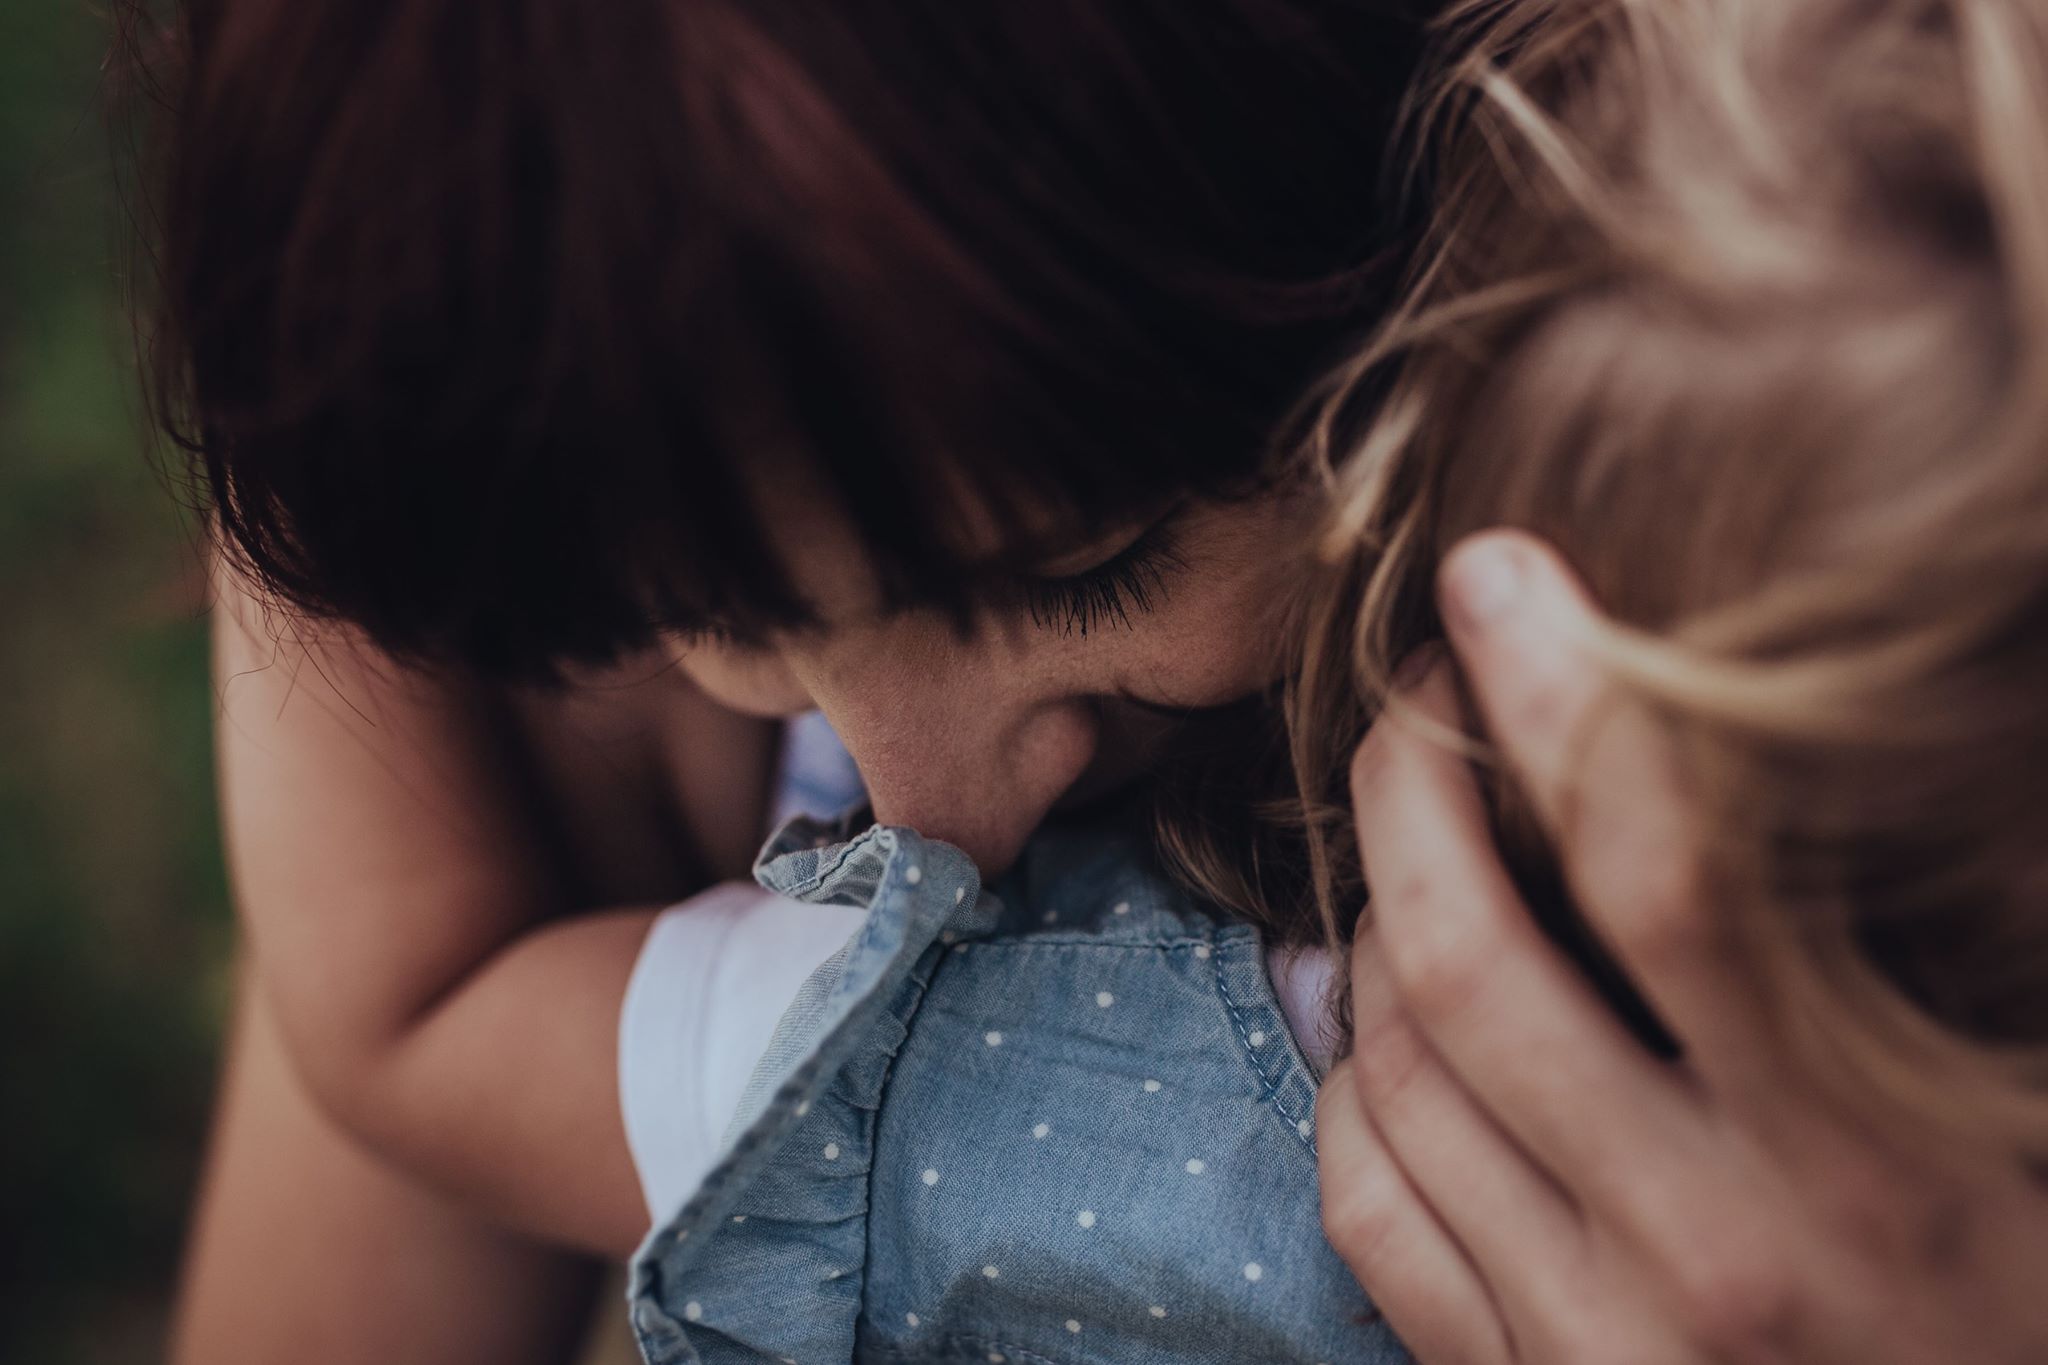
x=1100, y=883
x=1066, y=1116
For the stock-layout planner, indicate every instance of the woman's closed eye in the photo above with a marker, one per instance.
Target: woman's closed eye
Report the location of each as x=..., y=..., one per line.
x=1133, y=581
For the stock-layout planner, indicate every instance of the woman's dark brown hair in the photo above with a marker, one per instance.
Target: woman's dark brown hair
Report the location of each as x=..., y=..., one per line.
x=485, y=326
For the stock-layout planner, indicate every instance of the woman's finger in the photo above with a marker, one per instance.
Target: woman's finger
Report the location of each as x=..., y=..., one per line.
x=1606, y=782
x=1514, y=1223
x=1401, y=1253
x=1516, y=1022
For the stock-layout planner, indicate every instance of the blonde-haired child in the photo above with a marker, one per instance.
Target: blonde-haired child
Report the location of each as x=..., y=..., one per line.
x=1742, y=305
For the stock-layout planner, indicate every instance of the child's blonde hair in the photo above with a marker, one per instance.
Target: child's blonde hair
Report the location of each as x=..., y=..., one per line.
x=1744, y=305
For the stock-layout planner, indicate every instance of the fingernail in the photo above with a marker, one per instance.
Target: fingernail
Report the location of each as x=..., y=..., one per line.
x=1481, y=581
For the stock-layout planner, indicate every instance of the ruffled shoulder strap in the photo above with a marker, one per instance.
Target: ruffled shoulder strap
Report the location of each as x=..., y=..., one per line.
x=766, y=1261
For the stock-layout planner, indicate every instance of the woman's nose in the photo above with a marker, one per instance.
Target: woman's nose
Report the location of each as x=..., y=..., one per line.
x=979, y=777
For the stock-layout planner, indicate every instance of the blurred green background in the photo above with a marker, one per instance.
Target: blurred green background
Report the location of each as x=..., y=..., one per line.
x=114, y=934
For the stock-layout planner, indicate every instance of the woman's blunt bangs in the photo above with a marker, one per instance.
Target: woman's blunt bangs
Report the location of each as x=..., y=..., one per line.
x=503, y=332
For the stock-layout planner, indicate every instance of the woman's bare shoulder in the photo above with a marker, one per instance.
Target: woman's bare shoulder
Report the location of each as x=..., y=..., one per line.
x=632, y=783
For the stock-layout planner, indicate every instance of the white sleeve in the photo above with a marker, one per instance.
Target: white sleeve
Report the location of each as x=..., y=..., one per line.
x=713, y=979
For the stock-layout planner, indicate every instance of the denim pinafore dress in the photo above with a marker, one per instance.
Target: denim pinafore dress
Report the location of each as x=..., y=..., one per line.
x=1061, y=1122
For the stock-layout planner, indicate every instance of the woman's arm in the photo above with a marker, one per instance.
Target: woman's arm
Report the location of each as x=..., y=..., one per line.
x=405, y=928
x=1513, y=1177
x=307, y=1250
x=305, y=1245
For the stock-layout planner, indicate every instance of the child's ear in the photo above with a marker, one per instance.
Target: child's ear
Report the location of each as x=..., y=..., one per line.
x=1530, y=855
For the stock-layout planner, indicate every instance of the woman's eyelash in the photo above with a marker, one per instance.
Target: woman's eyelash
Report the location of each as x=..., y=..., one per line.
x=1133, y=581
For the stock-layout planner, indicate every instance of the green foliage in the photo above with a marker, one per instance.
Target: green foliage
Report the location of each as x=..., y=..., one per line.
x=113, y=929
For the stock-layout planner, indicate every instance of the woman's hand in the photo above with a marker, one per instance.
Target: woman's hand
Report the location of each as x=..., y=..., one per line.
x=1514, y=1178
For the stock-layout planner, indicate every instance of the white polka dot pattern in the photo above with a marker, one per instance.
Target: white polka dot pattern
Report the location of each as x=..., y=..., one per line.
x=1067, y=1045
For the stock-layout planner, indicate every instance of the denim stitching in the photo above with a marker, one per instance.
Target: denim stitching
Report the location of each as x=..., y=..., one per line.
x=1269, y=1085
x=1177, y=945
x=1283, y=1071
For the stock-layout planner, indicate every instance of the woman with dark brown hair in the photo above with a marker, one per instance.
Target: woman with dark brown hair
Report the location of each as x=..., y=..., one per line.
x=575, y=387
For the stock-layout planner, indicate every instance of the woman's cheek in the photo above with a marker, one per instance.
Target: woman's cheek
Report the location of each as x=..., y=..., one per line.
x=1214, y=670
x=1217, y=647
x=1221, y=634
